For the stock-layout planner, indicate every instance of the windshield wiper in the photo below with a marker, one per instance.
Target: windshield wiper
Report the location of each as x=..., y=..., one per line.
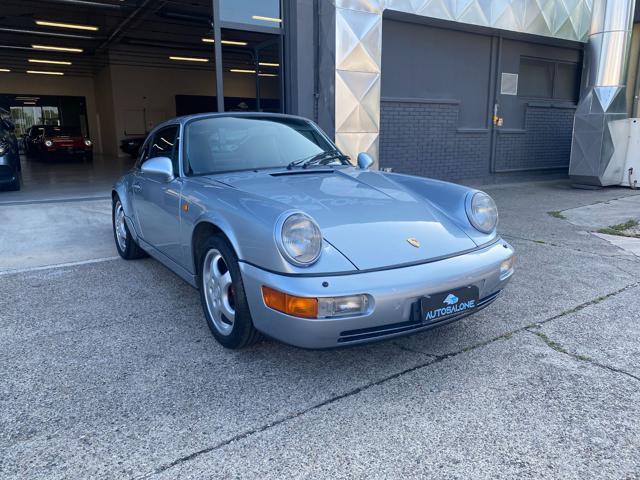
x=328, y=155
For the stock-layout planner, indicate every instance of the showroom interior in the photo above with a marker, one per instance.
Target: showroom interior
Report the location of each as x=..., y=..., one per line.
x=110, y=70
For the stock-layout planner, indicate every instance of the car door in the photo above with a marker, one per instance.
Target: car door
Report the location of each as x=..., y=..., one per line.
x=156, y=203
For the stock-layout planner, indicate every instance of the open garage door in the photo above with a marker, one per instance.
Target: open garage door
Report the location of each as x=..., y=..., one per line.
x=85, y=81
x=474, y=106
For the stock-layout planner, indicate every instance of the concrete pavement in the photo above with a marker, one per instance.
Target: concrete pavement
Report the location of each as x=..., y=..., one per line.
x=109, y=371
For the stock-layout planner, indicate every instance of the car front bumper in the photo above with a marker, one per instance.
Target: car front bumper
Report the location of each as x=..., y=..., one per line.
x=394, y=292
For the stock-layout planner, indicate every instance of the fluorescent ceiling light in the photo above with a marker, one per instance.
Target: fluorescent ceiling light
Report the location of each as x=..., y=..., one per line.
x=4, y=70
x=57, y=49
x=246, y=70
x=74, y=26
x=226, y=42
x=267, y=64
x=27, y=98
x=44, y=72
x=267, y=19
x=51, y=62
x=189, y=59
x=29, y=103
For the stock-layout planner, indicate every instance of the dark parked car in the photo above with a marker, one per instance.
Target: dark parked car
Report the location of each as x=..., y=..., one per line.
x=45, y=141
x=9, y=156
x=131, y=146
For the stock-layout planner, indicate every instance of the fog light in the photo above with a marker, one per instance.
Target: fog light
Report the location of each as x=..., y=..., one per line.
x=48, y=143
x=343, y=306
x=88, y=142
x=506, y=267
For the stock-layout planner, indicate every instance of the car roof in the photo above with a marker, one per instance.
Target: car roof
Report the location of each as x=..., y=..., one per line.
x=187, y=118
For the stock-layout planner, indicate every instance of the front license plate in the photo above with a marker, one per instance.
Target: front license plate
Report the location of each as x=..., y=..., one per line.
x=440, y=306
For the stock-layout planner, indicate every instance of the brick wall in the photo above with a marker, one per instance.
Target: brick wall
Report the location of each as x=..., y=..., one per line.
x=544, y=143
x=422, y=138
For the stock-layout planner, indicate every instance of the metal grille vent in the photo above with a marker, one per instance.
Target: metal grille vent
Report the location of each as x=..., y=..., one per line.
x=509, y=84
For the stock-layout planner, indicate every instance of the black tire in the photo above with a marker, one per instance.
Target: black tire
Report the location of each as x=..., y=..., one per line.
x=242, y=332
x=131, y=250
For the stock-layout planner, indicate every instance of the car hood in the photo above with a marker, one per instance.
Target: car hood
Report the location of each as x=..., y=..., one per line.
x=372, y=220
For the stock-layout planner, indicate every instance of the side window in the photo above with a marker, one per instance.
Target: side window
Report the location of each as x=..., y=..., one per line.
x=165, y=144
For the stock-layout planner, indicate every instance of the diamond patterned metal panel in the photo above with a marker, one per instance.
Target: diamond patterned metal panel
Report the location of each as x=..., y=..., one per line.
x=359, y=42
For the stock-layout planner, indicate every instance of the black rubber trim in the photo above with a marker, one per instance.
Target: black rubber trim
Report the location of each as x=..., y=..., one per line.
x=379, y=269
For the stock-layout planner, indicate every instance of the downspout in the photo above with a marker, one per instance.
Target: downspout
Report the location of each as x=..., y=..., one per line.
x=604, y=92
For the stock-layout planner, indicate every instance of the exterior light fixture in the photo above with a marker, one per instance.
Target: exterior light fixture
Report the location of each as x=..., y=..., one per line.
x=44, y=72
x=57, y=49
x=73, y=26
x=189, y=59
x=51, y=62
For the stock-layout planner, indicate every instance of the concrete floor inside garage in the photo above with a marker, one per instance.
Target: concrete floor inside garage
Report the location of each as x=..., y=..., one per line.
x=109, y=370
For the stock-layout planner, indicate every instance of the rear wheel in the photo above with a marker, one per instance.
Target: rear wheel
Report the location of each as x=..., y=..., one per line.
x=125, y=244
x=222, y=295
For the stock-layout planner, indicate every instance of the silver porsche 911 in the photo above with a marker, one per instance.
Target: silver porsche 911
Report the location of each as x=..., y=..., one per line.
x=283, y=236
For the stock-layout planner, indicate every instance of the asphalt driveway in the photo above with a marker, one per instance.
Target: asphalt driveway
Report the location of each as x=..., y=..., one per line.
x=108, y=370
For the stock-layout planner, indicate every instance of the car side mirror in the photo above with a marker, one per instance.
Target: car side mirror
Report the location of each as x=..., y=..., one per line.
x=364, y=161
x=160, y=168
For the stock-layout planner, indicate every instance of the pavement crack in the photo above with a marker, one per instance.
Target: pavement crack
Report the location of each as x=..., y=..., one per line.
x=582, y=358
x=433, y=360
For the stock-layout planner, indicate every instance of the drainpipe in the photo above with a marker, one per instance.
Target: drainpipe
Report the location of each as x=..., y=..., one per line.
x=604, y=92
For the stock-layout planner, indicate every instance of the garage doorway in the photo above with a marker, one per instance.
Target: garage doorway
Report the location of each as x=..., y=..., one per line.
x=114, y=70
x=475, y=106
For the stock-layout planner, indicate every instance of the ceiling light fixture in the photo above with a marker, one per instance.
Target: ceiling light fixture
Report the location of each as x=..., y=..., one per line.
x=4, y=70
x=44, y=72
x=28, y=103
x=57, y=49
x=267, y=74
x=267, y=64
x=51, y=62
x=226, y=42
x=241, y=70
x=73, y=26
x=267, y=19
x=189, y=59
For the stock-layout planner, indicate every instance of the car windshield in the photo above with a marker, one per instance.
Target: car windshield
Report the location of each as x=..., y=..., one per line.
x=54, y=131
x=224, y=144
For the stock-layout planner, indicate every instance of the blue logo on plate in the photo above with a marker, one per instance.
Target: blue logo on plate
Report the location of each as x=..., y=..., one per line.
x=451, y=299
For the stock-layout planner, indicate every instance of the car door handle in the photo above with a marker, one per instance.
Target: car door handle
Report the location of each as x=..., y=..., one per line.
x=136, y=187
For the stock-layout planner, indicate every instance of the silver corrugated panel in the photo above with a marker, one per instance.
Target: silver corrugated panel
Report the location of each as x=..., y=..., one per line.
x=359, y=43
x=604, y=94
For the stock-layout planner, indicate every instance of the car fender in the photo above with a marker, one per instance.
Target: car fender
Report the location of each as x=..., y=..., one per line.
x=449, y=198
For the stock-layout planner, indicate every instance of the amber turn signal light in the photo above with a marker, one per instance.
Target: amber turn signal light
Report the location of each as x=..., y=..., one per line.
x=290, y=304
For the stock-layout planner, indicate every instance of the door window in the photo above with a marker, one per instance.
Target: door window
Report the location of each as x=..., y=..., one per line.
x=165, y=144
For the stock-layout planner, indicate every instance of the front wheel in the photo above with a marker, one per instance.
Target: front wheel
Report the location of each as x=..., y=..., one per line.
x=125, y=244
x=222, y=295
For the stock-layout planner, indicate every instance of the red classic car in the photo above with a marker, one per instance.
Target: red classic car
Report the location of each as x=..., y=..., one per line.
x=45, y=141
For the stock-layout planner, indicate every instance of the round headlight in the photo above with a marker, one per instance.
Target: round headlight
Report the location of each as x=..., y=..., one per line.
x=87, y=142
x=482, y=212
x=48, y=143
x=300, y=240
